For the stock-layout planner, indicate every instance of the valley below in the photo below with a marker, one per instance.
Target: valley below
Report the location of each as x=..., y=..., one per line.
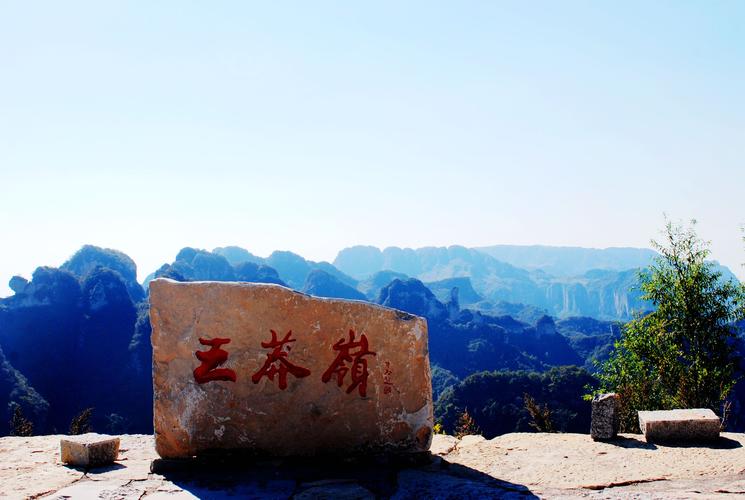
x=77, y=337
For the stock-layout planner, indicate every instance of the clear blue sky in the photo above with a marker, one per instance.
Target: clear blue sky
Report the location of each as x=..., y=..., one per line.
x=311, y=126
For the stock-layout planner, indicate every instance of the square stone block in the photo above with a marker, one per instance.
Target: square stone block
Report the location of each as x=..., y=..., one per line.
x=89, y=450
x=699, y=424
x=274, y=372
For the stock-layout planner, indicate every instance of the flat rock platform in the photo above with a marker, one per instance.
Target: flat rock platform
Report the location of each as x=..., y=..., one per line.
x=522, y=465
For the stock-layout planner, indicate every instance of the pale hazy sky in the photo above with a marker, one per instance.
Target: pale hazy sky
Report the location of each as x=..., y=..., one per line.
x=311, y=126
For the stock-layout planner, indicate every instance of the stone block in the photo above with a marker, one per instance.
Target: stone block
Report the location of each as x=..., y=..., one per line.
x=274, y=372
x=605, y=416
x=700, y=424
x=89, y=450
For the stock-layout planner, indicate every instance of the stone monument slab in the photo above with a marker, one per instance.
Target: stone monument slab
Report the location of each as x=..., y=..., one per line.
x=275, y=372
x=699, y=424
x=605, y=416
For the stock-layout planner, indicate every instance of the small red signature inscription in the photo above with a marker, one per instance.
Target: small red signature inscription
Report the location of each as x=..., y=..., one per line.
x=387, y=378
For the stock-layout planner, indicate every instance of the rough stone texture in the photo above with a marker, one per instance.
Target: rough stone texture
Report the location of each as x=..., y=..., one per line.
x=469, y=440
x=309, y=416
x=605, y=418
x=89, y=450
x=443, y=444
x=679, y=425
x=525, y=465
x=567, y=465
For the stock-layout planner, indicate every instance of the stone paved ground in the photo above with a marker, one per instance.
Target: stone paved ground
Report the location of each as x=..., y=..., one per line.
x=510, y=466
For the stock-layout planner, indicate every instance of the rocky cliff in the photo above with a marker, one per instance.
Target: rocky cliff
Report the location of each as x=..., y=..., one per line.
x=511, y=466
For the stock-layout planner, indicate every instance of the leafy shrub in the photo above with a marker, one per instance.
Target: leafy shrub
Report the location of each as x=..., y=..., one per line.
x=540, y=414
x=466, y=426
x=19, y=424
x=684, y=353
x=81, y=423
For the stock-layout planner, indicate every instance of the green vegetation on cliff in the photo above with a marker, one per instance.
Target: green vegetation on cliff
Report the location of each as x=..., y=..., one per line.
x=684, y=353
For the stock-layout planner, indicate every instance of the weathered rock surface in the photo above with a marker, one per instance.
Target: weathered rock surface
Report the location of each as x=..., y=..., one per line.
x=470, y=439
x=276, y=372
x=605, y=418
x=679, y=425
x=443, y=444
x=89, y=450
x=510, y=466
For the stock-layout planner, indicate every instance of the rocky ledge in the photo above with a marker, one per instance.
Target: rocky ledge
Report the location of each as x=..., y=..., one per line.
x=509, y=466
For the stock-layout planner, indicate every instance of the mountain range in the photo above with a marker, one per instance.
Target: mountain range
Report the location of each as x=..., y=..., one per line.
x=559, y=281
x=77, y=336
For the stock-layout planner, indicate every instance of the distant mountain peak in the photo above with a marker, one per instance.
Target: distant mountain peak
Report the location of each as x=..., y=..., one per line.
x=322, y=284
x=570, y=261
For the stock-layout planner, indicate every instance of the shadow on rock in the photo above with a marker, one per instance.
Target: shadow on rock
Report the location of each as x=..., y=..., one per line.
x=412, y=477
x=92, y=471
x=631, y=442
x=721, y=443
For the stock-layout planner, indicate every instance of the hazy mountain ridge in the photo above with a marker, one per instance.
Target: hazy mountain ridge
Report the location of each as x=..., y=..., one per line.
x=570, y=261
x=291, y=267
x=322, y=284
x=193, y=264
x=84, y=329
x=484, y=283
x=606, y=293
x=443, y=289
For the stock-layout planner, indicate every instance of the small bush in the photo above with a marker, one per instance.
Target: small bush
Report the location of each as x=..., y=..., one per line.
x=466, y=426
x=540, y=415
x=19, y=424
x=81, y=423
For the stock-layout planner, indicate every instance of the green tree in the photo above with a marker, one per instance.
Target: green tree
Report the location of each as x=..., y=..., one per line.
x=682, y=354
x=496, y=400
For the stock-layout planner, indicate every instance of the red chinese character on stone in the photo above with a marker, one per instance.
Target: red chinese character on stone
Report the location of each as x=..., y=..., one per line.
x=276, y=362
x=208, y=370
x=358, y=371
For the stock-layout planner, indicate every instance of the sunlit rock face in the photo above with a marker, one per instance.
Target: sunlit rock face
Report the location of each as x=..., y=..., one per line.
x=277, y=372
